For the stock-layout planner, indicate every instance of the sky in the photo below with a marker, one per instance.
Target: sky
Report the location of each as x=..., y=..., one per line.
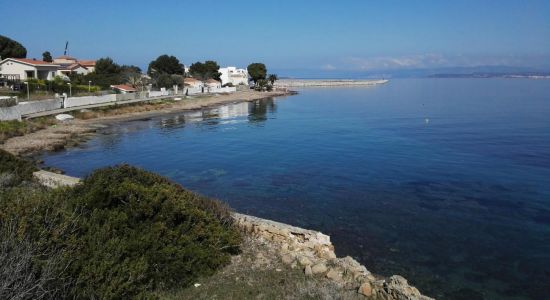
x=290, y=37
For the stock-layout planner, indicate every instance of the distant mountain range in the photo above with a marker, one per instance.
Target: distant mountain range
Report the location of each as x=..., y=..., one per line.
x=449, y=72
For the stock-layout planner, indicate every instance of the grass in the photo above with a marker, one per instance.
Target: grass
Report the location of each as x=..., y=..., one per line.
x=9, y=129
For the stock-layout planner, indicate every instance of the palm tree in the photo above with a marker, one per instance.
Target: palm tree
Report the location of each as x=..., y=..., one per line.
x=272, y=78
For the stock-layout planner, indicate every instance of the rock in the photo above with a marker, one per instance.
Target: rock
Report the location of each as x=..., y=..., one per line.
x=334, y=275
x=319, y=268
x=398, y=288
x=308, y=270
x=64, y=117
x=287, y=259
x=365, y=289
x=325, y=254
x=304, y=261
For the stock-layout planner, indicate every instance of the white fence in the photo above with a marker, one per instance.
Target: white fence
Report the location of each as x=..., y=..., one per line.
x=88, y=100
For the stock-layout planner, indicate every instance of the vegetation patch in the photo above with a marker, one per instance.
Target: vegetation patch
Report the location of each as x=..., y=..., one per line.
x=9, y=129
x=122, y=233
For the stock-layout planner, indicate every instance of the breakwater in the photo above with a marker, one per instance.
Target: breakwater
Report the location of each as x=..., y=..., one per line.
x=327, y=82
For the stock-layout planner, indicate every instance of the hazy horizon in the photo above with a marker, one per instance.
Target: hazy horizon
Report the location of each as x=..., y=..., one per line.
x=293, y=38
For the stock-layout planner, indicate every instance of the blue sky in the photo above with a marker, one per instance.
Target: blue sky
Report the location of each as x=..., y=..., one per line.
x=289, y=36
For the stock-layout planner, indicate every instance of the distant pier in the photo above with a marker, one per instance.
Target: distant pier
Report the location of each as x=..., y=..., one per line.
x=327, y=82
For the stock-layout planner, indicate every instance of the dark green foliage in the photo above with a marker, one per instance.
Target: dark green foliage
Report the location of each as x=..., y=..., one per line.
x=257, y=71
x=204, y=71
x=106, y=66
x=124, y=233
x=272, y=78
x=165, y=64
x=167, y=81
x=11, y=48
x=14, y=170
x=47, y=56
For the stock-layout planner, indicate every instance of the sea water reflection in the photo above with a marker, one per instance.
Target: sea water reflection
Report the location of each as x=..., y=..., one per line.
x=459, y=205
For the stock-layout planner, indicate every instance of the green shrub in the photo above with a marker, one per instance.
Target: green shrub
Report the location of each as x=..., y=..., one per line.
x=124, y=233
x=13, y=170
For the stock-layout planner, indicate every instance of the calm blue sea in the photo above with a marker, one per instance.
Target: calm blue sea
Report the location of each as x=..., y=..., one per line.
x=444, y=181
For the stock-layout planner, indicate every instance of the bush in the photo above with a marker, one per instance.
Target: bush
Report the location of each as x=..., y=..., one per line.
x=13, y=170
x=124, y=233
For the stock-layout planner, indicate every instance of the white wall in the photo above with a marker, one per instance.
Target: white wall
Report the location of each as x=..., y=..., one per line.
x=14, y=67
x=9, y=113
x=88, y=100
x=32, y=107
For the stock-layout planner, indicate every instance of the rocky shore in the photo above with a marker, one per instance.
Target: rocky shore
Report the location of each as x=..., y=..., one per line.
x=310, y=251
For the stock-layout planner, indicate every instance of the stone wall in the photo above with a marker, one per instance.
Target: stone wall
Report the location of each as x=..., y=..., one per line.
x=9, y=113
x=314, y=253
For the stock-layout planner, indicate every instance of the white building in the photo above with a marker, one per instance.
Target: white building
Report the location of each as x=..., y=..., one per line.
x=75, y=68
x=192, y=83
x=213, y=84
x=24, y=68
x=234, y=76
x=123, y=88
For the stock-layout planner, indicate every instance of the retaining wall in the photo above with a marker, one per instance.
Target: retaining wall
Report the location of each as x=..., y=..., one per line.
x=9, y=113
x=32, y=107
x=88, y=100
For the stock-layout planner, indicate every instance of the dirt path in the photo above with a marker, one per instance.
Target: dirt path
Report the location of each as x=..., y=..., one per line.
x=73, y=132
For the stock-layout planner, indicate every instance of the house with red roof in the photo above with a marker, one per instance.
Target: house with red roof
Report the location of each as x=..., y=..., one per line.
x=123, y=88
x=25, y=68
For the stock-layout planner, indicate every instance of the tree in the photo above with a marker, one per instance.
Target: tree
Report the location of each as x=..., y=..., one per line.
x=106, y=66
x=272, y=78
x=257, y=71
x=165, y=64
x=47, y=56
x=207, y=70
x=11, y=48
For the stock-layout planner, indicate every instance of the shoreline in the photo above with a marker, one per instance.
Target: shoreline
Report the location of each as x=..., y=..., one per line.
x=309, y=251
x=291, y=83
x=74, y=132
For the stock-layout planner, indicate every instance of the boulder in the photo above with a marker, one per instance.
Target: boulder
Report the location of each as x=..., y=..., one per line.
x=308, y=271
x=304, y=261
x=365, y=289
x=287, y=259
x=334, y=275
x=64, y=117
x=319, y=268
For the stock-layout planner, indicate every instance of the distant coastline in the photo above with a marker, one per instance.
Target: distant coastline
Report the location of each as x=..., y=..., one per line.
x=327, y=82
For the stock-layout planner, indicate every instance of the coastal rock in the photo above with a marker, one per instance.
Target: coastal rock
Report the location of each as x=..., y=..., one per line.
x=365, y=289
x=398, y=288
x=319, y=268
x=287, y=259
x=304, y=261
x=308, y=271
x=334, y=276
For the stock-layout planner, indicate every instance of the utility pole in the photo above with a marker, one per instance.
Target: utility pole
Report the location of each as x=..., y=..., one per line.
x=28, y=92
x=89, y=86
x=70, y=90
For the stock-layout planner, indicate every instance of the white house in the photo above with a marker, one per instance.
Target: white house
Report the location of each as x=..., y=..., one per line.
x=192, y=83
x=75, y=68
x=234, y=76
x=86, y=66
x=65, y=60
x=24, y=68
x=213, y=84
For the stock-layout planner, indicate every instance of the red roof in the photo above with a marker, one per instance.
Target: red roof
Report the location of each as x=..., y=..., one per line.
x=212, y=81
x=34, y=62
x=87, y=63
x=123, y=87
x=66, y=57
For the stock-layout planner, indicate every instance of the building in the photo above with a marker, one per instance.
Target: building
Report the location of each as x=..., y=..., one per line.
x=123, y=88
x=234, y=76
x=213, y=84
x=192, y=83
x=75, y=68
x=86, y=66
x=24, y=69
x=65, y=60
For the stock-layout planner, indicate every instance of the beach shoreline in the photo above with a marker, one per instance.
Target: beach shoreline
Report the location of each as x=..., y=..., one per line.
x=74, y=132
